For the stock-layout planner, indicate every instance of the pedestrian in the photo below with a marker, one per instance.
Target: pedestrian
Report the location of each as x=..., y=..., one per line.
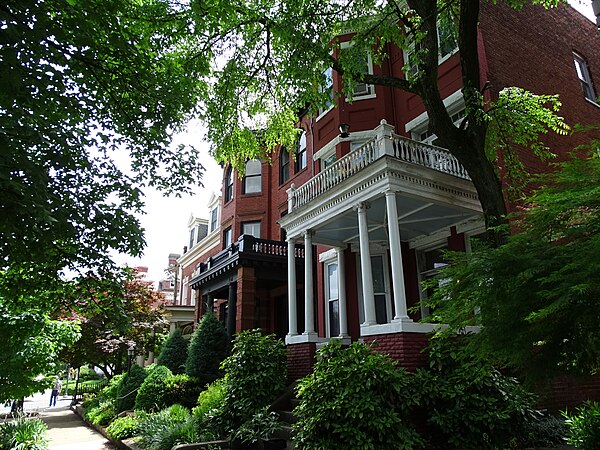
x=55, y=390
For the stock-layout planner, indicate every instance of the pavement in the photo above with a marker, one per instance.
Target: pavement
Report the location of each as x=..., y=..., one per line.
x=66, y=430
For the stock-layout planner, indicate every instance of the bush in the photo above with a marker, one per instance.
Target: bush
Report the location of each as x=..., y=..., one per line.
x=167, y=428
x=182, y=390
x=153, y=392
x=545, y=431
x=174, y=353
x=128, y=387
x=255, y=377
x=123, y=428
x=355, y=398
x=584, y=427
x=86, y=373
x=210, y=399
x=468, y=403
x=23, y=434
x=208, y=348
x=100, y=415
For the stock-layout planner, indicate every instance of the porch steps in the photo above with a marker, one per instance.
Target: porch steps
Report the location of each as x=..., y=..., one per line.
x=284, y=406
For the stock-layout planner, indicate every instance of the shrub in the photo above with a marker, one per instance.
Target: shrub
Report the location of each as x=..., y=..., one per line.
x=23, y=434
x=128, y=387
x=100, y=415
x=174, y=353
x=261, y=426
x=182, y=390
x=545, y=431
x=584, y=427
x=355, y=398
x=208, y=348
x=86, y=373
x=167, y=428
x=123, y=428
x=152, y=393
x=255, y=377
x=469, y=404
x=210, y=399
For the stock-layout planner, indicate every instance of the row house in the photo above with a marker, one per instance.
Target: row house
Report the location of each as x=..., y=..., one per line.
x=335, y=241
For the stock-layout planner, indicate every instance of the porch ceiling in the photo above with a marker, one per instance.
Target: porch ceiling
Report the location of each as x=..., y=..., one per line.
x=416, y=218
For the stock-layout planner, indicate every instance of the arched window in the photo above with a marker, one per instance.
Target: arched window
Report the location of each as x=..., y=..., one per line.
x=252, y=178
x=229, y=184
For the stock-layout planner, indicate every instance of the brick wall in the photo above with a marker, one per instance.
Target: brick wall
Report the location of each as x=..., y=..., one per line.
x=300, y=360
x=568, y=392
x=406, y=348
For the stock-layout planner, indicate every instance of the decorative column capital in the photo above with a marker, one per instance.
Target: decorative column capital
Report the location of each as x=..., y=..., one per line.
x=362, y=206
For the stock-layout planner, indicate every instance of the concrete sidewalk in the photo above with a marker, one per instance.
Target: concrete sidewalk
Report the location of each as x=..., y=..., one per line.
x=66, y=431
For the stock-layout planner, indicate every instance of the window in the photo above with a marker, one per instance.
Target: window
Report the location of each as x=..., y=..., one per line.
x=229, y=184
x=300, y=162
x=428, y=137
x=192, y=237
x=447, y=43
x=332, y=299
x=227, y=237
x=362, y=90
x=584, y=78
x=383, y=304
x=214, y=219
x=252, y=178
x=418, y=127
x=328, y=161
x=251, y=228
x=284, y=165
x=328, y=91
x=429, y=262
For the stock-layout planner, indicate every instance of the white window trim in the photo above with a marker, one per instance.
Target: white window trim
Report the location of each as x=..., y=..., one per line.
x=583, y=75
x=371, y=87
x=324, y=112
x=453, y=103
x=386, y=280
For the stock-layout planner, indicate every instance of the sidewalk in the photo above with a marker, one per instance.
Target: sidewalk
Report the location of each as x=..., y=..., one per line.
x=66, y=431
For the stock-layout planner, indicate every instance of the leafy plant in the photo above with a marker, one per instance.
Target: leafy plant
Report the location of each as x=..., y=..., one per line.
x=123, y=428
x=469, y=404
x=174, y=353
x=210, y=399
x=128, y=387
x=255, y=376
x=182, y=390
x=260, y=427
x=208, y=348
x=545, y=431
x=153, y=392
x=23, y=434
x=101, y=414
x=355, y=398
x=167, y=428
x=584, y=427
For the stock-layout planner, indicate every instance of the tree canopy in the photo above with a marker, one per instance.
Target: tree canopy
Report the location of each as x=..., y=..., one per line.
x=270, y=59
x=537, y=295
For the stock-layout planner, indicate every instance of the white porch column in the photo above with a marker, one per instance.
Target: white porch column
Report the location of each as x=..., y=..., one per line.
x=342, y=292
x=292, y=318
x=309, y=313
x=365, y=263
x=396, y=257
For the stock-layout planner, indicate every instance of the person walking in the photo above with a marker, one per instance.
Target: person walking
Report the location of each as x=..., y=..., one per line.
x=55, y=390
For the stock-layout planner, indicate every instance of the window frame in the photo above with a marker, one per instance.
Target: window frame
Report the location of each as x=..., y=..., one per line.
x=284, y=166
x=227, y=237
x=252, y=176
x=251, y=223
x=585, y=79
x=369, y=91
x=301, y=154
x=228, y=184
x=328, y=299
x=214, y=219
x=328, y=74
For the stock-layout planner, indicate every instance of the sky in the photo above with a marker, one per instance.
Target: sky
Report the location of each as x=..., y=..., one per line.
x=166, y=218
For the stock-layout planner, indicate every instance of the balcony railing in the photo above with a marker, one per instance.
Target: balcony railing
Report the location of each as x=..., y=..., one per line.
x=384, y=142
x=247, y=245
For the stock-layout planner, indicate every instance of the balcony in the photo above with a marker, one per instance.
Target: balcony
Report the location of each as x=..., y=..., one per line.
x=247, y=250
x=432, y=188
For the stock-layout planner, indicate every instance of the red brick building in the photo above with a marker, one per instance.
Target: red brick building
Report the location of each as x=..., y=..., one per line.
x=335, y=242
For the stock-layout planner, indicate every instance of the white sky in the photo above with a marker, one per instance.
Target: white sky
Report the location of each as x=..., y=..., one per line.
x=166, y=218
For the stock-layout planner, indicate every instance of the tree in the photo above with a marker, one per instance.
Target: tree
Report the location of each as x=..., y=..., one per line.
x=124, y=314
x=81, y=85
x=273, y=59
x=537, y=295
x=174, y=353
x=208, y=348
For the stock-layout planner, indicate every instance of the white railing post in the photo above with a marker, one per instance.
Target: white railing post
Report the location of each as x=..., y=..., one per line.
x=384, y=136
x=291, y=192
